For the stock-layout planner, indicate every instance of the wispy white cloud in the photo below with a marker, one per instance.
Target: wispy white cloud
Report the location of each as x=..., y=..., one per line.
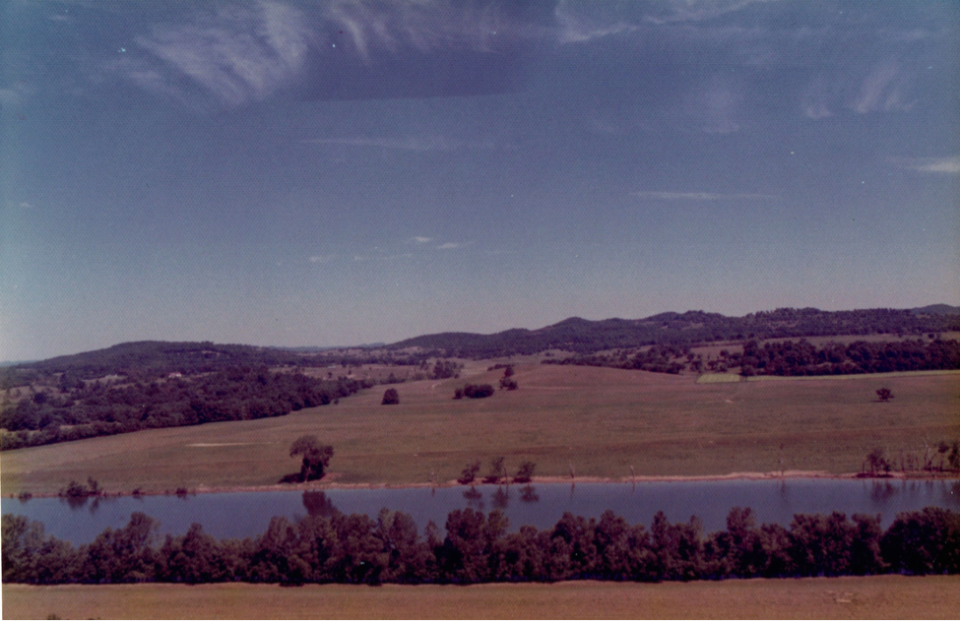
x=716, y=104
x=322, y=258
x=884, y=90
x=815, y=102
x=15, y=94
x=419, y=239
x=454, y=245
x=949, y=165
x=411, y=143
x=373, y=28
x=581, y=22
x=700, y=196
x=20, y=205
x=577, y=26
x=698, y=10
x=234, y=56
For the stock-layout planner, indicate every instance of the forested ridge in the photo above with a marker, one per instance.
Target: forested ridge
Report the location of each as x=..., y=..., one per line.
x=328, y=546
x=690, y=328
x=80, y=409
x=148, y=360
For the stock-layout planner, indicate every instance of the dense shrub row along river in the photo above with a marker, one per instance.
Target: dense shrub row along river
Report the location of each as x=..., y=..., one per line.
x=477, y=547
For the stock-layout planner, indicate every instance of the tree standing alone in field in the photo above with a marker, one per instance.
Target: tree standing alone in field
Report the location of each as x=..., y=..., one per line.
x=391, y=397
x=884, y=394
x=316, y=456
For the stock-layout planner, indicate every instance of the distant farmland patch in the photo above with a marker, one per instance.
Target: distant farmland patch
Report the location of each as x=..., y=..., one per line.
x=772, y=378
x=719, y=378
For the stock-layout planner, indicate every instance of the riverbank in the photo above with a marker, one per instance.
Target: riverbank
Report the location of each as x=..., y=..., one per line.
x=547, y=480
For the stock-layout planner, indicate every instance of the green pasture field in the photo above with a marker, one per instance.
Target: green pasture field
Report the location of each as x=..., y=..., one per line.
x=875, y=597
x=599, y=421
x=720, y=378
x=870, y=376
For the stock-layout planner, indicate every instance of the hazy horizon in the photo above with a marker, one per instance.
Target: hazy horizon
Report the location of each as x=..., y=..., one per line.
x=288, y=174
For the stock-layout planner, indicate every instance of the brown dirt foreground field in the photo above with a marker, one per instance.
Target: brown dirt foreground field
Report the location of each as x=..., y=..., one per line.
x=879, y=597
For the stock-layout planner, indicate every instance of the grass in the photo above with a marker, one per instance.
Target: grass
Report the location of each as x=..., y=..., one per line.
x=719, y=378
x=601, y=421
x=839, y=598
x=868, y=376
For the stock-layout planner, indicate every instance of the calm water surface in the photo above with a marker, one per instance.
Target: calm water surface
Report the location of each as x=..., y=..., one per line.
x=242, y=514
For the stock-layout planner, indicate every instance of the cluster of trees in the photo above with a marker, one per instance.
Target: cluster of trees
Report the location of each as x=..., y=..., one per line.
x=497, y=473
x=586, y=337
x=507, y=382
x=443, y=369
x=803, y=358
x=474, y=391
x=786, y=358
x=931, y=459
x=333, y=547
x=657, y=359
x=88, y=409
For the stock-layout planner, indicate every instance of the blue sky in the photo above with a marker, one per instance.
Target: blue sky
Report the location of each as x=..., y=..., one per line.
x=293, y=173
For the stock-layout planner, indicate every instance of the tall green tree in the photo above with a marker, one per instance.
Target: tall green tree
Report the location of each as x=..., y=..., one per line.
x=315, y=456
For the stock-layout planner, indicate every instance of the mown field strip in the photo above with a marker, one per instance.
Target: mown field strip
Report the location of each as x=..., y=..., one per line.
x=894, y=597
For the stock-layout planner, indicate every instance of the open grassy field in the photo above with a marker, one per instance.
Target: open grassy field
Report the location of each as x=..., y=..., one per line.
x=881, y=597
x=601, y=421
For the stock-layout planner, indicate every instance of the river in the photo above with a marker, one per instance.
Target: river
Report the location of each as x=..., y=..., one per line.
x=242, y=514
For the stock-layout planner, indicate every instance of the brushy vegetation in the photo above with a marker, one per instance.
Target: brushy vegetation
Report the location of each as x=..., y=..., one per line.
x=353, y=548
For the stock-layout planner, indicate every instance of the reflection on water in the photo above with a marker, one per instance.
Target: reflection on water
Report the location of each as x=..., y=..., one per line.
x=882, y=492
x=501, y=499
x=474, y=498
x=528, y=493
x=91, y=503
x=318, y=505
x=243, y=514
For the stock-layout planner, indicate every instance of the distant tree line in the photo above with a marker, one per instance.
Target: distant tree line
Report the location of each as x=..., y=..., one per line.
x=787, y=358
x=657, y=359
x=80, y=410
x=803, y=358
x=148, y=360
x=329, y=546
x=684, y=329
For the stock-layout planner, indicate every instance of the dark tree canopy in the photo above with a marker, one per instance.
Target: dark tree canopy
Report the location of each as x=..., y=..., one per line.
x=884, y=394
x=478, y=391
x=390, y=397
x=316, y=456
x=329, y=546
x=469, y=473
x=525, y=473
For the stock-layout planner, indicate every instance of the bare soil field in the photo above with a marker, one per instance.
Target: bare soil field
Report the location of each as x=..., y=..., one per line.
x=879, y=597
x=598, y=421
